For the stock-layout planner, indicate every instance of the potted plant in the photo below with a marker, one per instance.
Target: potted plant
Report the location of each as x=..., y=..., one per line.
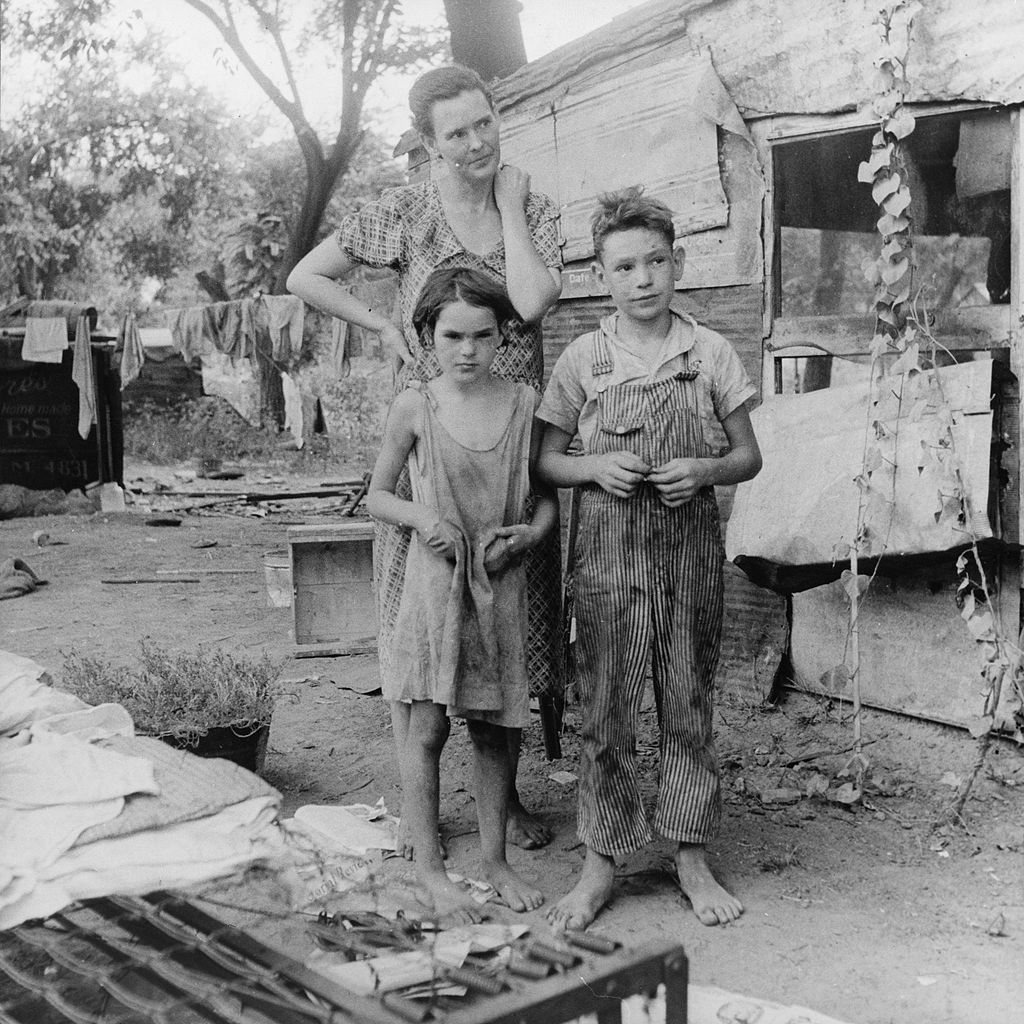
x=209, y=702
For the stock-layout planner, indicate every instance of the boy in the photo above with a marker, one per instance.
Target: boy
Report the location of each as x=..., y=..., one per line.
x=642, y=393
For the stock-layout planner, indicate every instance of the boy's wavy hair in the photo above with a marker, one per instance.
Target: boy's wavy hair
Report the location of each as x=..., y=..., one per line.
x=459, y=284
x=629, y=208
x=444, y=83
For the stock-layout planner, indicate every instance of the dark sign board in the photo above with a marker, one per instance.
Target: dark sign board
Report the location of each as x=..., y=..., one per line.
x=40, y=446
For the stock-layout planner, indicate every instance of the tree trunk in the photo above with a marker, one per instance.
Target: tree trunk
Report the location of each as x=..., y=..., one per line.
x=486, y=36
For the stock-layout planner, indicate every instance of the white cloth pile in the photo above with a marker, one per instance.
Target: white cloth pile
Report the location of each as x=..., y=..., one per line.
x=58, y=780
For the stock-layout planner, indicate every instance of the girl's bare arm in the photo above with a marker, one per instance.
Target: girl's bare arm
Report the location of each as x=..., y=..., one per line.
x=400, y=434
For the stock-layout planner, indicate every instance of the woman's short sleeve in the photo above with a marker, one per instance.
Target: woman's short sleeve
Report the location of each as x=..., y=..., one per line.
x=542, y=218
x=373, y=235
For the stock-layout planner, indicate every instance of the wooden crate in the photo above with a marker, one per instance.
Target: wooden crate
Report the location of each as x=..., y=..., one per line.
x=335, y=601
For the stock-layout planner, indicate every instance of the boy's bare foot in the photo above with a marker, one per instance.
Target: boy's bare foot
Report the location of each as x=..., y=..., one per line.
x=452, y=904
x=578, y=908
x=711, y=903
x=523, y=829
x=516, y=892
x=404, y=845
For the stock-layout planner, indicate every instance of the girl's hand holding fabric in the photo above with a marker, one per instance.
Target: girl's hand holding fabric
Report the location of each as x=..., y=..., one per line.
x=441, y=537
x=507, y=545
x=679, y=481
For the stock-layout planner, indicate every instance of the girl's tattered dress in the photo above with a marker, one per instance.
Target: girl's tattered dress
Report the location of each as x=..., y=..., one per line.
x=406, y=230
x=460, y=634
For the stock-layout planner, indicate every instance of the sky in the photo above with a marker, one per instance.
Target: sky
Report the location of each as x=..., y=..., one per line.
x=547, y=24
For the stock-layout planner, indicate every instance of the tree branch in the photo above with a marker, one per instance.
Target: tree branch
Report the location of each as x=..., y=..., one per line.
x=229, y=32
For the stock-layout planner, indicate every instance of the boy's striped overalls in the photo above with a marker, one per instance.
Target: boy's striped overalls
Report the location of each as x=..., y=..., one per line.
x=648, y=579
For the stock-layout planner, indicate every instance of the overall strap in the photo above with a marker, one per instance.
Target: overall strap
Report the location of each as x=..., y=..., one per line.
x=601, y=355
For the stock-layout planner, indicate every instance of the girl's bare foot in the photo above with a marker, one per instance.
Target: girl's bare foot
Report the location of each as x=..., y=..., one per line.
x=711, y=903
x=577, y=909
x=516, y=892
x=404, y=846
x=452, y=904
x=524, y=830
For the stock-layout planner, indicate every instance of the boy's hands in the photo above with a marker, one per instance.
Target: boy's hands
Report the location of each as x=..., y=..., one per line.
x=618, y=473
x=679, y=480
x=507, y=544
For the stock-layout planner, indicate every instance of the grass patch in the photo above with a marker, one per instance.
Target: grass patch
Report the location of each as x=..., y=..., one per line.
x=179, y=694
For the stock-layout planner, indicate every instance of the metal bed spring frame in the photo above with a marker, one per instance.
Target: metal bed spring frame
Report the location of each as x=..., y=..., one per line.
x=160, y=959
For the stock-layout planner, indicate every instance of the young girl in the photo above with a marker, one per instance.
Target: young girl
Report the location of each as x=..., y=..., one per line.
x=459, y=646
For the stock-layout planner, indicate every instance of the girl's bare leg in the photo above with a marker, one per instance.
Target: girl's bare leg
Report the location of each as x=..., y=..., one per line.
x=523, y=828
x=419, y=759
x=404, y=845
x=491, y=780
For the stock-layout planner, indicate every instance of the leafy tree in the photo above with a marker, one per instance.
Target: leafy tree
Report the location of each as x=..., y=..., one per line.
x=94, y=162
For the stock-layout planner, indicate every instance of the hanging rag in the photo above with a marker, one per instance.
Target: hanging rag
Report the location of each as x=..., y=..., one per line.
x=187, y=331
x=233, y=325
x=293, y=419
x=339, y=348
x=82, y=374
x=133, y=355
x=286, y=318
x=45, y=339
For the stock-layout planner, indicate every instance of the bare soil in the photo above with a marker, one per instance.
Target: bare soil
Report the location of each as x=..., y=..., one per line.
x=874, y=915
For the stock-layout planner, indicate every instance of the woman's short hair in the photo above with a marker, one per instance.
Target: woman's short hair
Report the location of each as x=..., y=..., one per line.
x=439, y=84
x=460, y=284
x=629, y=208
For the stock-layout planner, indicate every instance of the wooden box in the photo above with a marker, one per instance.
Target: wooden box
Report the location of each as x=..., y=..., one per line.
x=335, y=601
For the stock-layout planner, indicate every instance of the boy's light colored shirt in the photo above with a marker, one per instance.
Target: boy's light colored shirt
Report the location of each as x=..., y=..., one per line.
x=570, y=399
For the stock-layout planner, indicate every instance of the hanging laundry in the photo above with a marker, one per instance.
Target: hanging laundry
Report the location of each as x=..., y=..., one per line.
x=133, y=355
x=45, y=339
x=293, y=419
x=82, y=374
x=286, y=318
x=187, y=331
x=339, y=349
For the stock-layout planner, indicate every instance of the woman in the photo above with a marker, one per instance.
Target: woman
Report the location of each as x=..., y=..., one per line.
x=480, y=214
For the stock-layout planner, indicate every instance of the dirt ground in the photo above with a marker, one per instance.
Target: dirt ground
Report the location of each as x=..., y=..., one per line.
x=871, y=915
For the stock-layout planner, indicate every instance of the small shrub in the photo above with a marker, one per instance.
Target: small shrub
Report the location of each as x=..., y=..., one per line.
x=179, y=694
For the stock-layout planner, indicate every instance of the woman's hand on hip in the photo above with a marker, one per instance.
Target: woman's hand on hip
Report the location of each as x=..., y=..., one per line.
x=511, y=189
x=394, y=342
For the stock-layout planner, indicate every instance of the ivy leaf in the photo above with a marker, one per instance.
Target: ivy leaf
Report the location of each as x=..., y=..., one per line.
x=840, y=552
x=890, y=225
x=893, y=247
x=879, y=158
x=892, y=272
x=885, y=313
x=854, y=585
x=885, y=185
x=901, y=124
x=836, y=679
x=902, y=292
x=873, y=460
x=872, y=270
x=879, y=344
x=897, y=202
x=907, y=363
x=980, y=623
